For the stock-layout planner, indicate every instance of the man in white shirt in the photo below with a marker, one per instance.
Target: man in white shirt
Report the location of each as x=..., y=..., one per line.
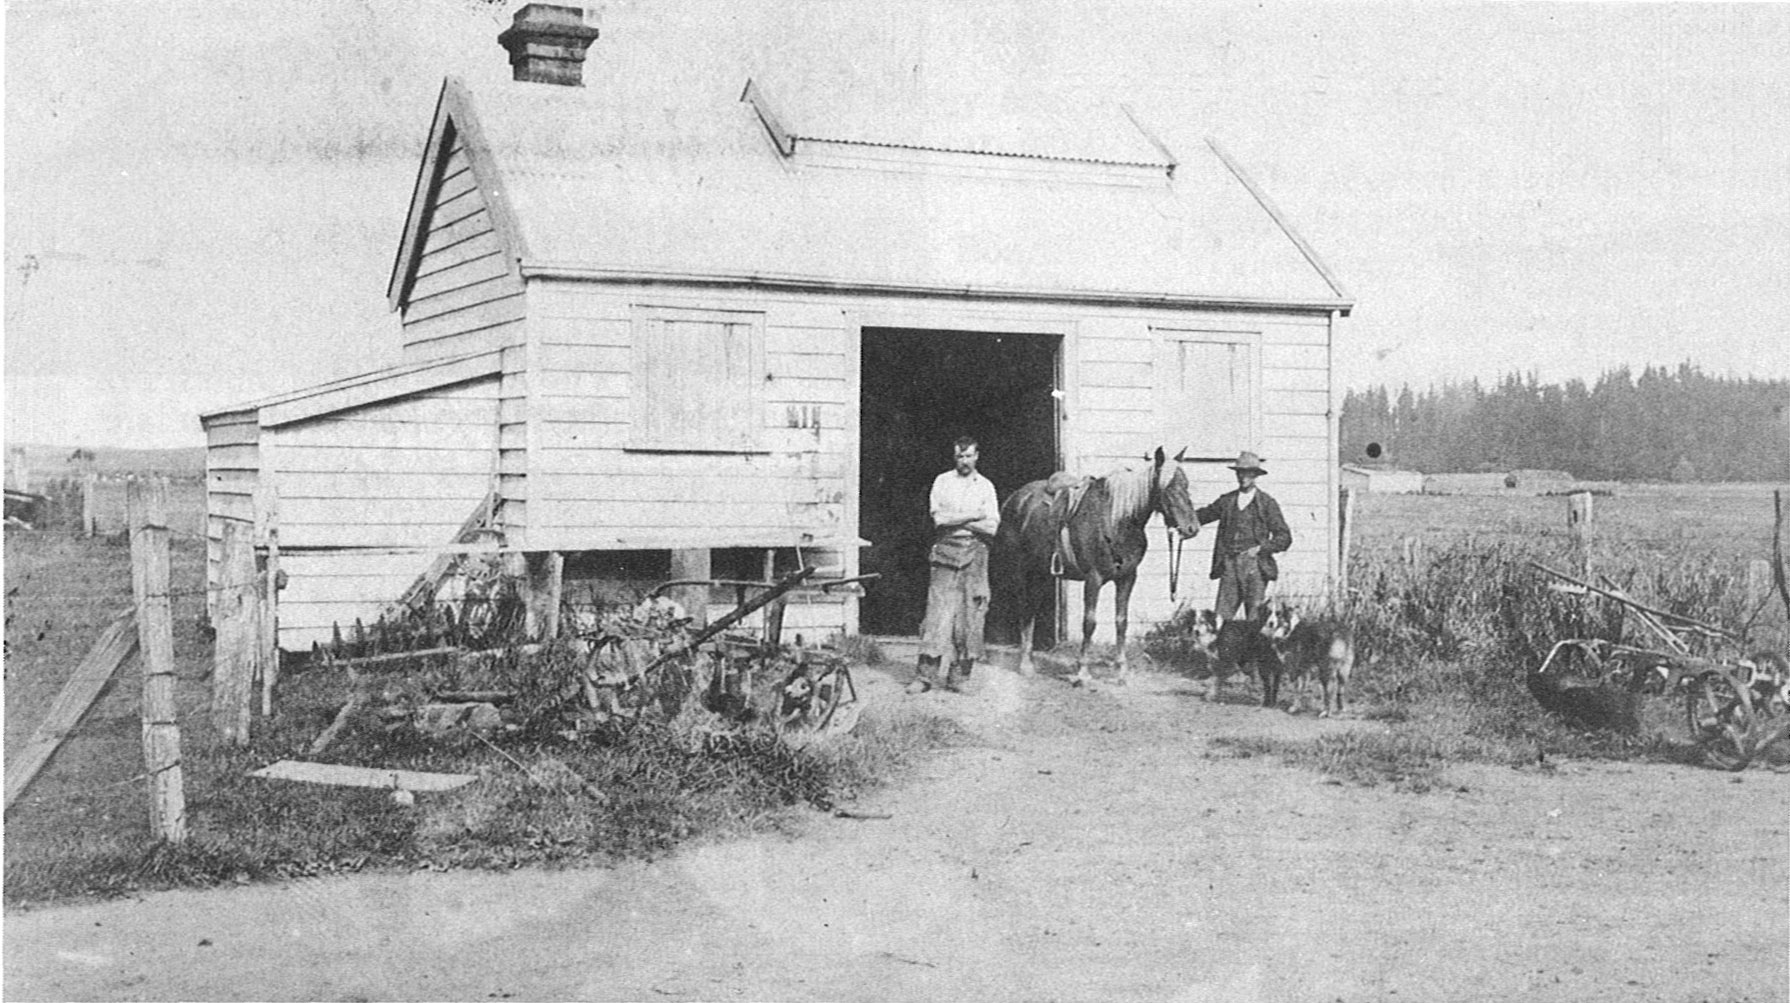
x=965, y=516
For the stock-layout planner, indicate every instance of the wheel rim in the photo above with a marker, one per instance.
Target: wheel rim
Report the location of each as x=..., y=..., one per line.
x=1720, y=721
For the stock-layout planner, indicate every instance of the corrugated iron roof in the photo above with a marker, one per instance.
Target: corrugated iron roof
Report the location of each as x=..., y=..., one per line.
x=989, y=125
x=659, y=168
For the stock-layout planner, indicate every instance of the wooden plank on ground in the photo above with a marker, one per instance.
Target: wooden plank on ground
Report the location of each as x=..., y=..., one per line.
x=362, y=776
x=115, y=644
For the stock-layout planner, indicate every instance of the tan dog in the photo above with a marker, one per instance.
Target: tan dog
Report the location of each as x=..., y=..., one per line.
x=1318, y=647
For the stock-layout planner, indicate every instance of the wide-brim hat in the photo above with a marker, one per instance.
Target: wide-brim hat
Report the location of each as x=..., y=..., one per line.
x=1249, y=461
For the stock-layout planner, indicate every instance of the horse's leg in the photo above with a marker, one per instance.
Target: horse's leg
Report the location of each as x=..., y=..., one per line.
x=1121, y=618
x=1090, y=599
x=1028, y=622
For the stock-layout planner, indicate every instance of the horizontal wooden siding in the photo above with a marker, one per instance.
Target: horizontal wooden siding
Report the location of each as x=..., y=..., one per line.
x=466, y=295
x=400, y=474
x=232, y=477
x=589, y=490
x=1115, y=397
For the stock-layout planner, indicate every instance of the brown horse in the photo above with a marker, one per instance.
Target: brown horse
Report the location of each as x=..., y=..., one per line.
x=1104, y=542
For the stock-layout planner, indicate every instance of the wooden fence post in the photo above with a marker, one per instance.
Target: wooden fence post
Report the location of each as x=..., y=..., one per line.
x=1579, y=525
x=1345, y=527
x=89, y=505
x=238, y=635
x=148, y=507
x=267, y=613
x=1413, y=551
x=18, y=469
x=1758, y=584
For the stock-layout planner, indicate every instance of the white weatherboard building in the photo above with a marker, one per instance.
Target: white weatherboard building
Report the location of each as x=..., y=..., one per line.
x=717, y=315
x=1381, y=480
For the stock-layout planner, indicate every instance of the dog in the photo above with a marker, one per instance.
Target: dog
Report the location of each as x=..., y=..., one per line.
x=1316, y=647
x=1245, y=646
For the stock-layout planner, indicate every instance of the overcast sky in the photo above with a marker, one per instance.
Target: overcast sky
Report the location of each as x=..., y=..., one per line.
x=202, y=200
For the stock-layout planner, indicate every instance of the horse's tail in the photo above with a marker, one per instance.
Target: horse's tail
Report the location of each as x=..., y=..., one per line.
x=1008, y=560
x=1023, y=516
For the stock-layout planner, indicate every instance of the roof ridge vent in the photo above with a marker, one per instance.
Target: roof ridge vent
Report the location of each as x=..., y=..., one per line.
x=546, y=43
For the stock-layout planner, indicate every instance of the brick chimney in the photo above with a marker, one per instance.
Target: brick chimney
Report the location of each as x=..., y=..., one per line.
x=547, y=43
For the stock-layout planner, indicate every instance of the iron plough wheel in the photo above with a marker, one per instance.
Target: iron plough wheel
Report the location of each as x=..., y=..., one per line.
x=1719, y=713
x=815, y=701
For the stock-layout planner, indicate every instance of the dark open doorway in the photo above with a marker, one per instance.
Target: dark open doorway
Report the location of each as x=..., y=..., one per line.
x=921, y=390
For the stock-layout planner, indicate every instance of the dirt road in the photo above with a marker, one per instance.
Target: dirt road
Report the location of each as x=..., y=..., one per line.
x=1086, y=848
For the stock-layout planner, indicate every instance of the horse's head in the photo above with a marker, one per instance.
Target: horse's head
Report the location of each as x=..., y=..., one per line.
x=1171, y=495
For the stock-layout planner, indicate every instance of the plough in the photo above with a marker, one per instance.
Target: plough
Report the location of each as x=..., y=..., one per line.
x=815, y=695
x=1735, y=707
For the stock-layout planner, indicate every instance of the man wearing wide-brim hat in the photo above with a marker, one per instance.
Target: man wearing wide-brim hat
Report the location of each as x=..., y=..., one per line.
x=1251, y=531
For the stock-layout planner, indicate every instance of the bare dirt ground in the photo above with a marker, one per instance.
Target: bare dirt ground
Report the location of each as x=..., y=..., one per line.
x=1085, y=846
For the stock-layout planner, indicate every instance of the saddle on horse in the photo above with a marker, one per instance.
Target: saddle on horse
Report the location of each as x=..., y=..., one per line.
x=1064, y=493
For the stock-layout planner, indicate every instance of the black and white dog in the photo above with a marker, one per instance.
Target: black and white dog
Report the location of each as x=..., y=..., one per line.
x=1239, y=645
x=1280, y=645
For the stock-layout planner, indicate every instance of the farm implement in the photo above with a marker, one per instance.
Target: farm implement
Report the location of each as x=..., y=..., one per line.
x=611, y=669
x=1737, y=706
x=812, y=694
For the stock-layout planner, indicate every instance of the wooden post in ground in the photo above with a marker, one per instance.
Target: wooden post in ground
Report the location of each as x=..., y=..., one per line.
x=238, y=635
x=1758, y=585
x=1413, y=551
x=1579, y=525
x=689, y=564
x=18, y=469
x=148, y=506
x=1345, y=528
x=773, y=614
x=268, y=620
x=1780, y=575
x=1579, y=528
x=89, y=505
x=546, y=584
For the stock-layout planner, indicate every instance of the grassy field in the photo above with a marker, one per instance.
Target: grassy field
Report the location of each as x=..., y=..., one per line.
x=1729, y=521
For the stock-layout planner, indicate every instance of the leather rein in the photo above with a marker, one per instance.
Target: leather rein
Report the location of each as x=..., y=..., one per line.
x=1175, y=539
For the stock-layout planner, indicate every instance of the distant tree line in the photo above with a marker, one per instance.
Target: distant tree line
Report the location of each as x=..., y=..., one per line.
x=1679, y=425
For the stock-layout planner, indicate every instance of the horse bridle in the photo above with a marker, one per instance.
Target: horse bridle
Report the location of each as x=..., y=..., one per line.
x=1175, y=537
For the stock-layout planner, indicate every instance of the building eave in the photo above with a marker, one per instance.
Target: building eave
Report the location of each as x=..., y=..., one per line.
x=1284, y=222
x=454, y=117
x=819, y=284
x=363, y=388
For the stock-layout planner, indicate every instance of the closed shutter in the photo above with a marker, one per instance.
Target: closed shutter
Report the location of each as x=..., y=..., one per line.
x=1207, y=397
x=698, y=381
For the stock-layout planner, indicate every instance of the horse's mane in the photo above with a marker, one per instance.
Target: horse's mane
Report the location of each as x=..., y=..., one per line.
x=1130, y=488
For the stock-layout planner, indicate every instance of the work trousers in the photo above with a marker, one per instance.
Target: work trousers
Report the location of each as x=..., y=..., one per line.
x=957, y=609
x=1240, y=583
